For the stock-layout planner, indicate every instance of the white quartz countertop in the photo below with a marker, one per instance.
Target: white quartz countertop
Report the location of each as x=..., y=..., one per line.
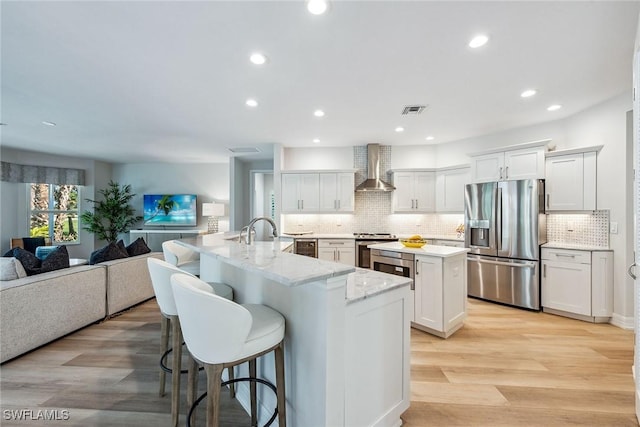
x=557, y=245
x=365, y=283
x=428, y=250
x=311, y=235
x=267, y=259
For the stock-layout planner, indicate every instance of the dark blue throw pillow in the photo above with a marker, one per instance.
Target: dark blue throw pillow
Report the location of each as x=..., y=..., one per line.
x=29, y=261
x=138, y=247
x=55, y=260
x=108, y=253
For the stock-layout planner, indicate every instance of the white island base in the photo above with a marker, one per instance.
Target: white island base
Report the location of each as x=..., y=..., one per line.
x=347, y=341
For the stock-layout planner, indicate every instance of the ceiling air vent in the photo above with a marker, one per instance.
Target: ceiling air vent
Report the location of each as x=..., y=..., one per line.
x=244, y=150
x=413, y=109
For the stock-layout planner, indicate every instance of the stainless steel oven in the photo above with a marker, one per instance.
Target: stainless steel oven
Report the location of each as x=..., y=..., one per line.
x=363, y=253
x=400, y=264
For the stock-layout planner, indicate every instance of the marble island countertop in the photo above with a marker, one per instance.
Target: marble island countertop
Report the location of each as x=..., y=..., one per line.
x=365, y=283
x=312, y=235
x=429, y=250
x=267, y=259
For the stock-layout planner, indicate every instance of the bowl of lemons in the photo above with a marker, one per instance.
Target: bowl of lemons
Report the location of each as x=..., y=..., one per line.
x=415, y=241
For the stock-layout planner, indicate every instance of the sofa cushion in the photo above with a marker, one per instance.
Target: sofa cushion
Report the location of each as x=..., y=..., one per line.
x=55, y=260
x=108, y=253
x=11, y=269
x=29, y=261
x=138, y=247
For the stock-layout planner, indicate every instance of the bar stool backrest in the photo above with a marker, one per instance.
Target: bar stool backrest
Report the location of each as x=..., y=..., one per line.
x=161, y=272
x=214, y=328
x=176, y=254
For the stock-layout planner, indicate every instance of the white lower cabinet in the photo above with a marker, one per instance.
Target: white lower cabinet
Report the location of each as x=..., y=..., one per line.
x=337, y=250
x=578, y=284
x=440, y=297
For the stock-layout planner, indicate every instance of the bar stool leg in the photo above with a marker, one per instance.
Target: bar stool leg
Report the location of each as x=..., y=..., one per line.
x=164, y=346
x=192, y=387
x=175, y=367
x=252, y=388
x=232, y=386
x=214, y=380
x=282, y=403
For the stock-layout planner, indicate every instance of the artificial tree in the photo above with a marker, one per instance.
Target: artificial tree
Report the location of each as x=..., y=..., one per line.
x=112, y=215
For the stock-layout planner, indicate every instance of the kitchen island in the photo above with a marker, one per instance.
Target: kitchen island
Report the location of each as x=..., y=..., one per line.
x=347, y=355
x=440, y=286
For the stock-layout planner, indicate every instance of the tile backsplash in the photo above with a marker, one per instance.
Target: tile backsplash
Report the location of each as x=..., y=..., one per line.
x=590, y=229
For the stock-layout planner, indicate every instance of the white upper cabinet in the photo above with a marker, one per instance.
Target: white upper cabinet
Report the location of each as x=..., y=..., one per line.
x=571, y=180
x=415, y=191
x=526, y=162
x=318, y=192
x=450, y=189
x=300, y=192
x=337, y=192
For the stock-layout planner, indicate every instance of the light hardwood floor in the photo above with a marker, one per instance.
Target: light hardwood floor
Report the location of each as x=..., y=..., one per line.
x=505, y=367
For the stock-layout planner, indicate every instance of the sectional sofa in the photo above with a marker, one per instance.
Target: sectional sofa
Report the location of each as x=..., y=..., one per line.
x=37, y=309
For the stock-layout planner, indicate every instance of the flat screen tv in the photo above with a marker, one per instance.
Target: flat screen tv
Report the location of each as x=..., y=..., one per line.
x=170, y=210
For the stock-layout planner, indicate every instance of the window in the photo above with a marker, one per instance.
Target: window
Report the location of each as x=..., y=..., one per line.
x=54, y=211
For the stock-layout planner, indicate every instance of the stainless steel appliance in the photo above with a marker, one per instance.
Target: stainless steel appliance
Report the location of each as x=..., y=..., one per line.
x=398, y=263
x=505, y=226
x=306, y=247
x=363, y=256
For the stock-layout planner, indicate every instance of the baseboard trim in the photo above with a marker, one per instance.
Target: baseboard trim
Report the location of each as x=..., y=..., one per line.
x=624, y=322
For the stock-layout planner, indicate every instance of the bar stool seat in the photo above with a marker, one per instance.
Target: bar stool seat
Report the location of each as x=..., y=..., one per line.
x=161, y=272
x=251, y=330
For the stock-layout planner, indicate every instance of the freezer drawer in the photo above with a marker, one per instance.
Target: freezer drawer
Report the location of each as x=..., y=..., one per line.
x=509, y=281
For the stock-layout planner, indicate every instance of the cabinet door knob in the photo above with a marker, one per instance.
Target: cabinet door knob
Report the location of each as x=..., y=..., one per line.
x=500, y=172
x=506, y=172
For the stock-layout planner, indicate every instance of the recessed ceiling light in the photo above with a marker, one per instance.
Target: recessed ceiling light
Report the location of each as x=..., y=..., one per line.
x=44, y=122
x=478, y=41
x=258, y=58
x=317, y=7
x=316, y=140
x=527, y=93
x=399, y=129
x=251, y=102
x=554, y=107
x=429, y=138
x=318, y=113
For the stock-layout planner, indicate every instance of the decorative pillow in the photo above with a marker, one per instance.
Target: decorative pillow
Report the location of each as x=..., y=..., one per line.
x=11, y=269
x=55, y=260
x=8, y=254
x=29, y=261
x=43, y=251
x=108, y=253
x=121, y=245
x=138, y=247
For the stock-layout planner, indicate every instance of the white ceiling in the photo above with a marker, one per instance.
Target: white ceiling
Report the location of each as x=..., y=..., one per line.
x=167, y=81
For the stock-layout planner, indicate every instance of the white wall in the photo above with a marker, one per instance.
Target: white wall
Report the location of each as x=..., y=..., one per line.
x=318, y=158
x=414, y=156
x=14, y=206
x=240, y=194
x=209, y=181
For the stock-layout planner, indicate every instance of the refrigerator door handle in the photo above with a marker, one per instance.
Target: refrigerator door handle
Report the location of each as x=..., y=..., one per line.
x=499, y=218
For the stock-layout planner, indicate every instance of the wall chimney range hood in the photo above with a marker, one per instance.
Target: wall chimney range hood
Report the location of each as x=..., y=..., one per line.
x=373, y=181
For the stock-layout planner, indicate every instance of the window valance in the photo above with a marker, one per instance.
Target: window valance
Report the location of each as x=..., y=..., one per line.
x=12, y=172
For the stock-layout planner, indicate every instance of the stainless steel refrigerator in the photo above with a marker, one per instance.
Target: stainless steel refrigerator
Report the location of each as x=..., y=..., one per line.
x=505, y=225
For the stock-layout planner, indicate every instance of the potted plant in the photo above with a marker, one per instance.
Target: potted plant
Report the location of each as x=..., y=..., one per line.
x=112, y=215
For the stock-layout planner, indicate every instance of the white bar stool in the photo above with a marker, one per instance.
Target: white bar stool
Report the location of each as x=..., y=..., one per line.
x=161, y=272
x=250, y=331
x=182, y=257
